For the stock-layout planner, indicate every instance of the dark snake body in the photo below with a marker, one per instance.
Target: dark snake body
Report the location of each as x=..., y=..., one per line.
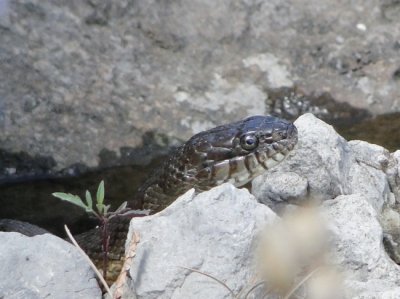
x=235, y=153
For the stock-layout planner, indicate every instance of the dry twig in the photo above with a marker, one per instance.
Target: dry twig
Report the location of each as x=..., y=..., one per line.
x=212, y=277
x=294, y=289
x=103, y=282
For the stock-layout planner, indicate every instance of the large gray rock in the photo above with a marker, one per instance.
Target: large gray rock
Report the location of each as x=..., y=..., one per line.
x=357, y=248
x=80, y=76
x=367, y=173
x=43, y=267
x=393, y=172
x=325, y=165
x=390, y=217
x=322, y=158
x=360, y=177
x=213, y=232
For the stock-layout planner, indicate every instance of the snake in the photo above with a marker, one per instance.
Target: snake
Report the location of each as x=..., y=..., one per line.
x=233, y=153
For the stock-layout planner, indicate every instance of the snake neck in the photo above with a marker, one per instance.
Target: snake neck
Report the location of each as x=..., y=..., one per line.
x=235, y=153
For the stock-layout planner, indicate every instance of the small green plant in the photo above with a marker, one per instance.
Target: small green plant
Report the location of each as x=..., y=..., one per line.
x=101, y=212
x=102, y=209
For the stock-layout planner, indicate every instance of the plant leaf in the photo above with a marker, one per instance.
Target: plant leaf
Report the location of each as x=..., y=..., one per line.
x=89, y=200
x=100, y=193
x=106, y=208
x=74, y=199
x=121, y=207
x=100, y=208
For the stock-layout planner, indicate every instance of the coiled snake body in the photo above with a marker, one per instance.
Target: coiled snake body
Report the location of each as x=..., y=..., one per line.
x=236, y=153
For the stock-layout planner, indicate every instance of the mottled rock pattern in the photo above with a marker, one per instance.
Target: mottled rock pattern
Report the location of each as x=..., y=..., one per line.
x=358, y=249
x=322, y=158
x=213, y=232
x=367, y=173
x=362, y=179
x=286, y=187
x=77, y=77
x=393, y=172
x=43, y=267
x=330, y=166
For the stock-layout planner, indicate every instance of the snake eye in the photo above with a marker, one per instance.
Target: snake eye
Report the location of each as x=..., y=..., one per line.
x=249, y=142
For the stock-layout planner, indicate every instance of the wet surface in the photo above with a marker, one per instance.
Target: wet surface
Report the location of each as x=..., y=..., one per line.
x=382, y=129
x=31, y=200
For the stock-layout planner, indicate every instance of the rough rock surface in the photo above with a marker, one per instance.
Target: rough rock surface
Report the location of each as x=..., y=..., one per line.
x=214, y=231
x=362, y=181
x=358, y=249
x=43, y=267
x=330, y=165
x=393, y=172
x=80, y=76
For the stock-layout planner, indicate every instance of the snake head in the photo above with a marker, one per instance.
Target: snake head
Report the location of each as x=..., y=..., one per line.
x=238, y=152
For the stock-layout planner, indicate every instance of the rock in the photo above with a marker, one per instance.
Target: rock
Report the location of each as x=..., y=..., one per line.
x=322, y=158
x=213, y=232
x=357, y=248
x=358, y=233
x=79, y=77
x=390, y=217
x=367, y=173
x=393, y=172
x=43, y=267
x=328, y=166
x=286, y=187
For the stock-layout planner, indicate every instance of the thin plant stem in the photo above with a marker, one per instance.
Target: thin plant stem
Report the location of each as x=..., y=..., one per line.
x=212, y=277
x=106, y=241
x=103, y=282
x=253, y=288
x=253, y=280
x=301, y=283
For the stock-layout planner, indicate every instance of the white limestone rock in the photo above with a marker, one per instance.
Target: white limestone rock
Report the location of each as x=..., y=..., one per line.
x=43, y=266
x=213, y=232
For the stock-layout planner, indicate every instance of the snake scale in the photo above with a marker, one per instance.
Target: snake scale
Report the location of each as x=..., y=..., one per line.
x=235, y=153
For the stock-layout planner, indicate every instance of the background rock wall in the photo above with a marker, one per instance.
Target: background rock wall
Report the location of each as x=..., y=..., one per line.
x=78, y=77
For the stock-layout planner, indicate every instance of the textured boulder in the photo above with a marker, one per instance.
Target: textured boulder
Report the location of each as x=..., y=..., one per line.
x=322, y=158
x=327, y=166
x=213, y=232
x=360, y=177
x=43, y=267
x=393, y=172
x=80, y=76
x=358, y=249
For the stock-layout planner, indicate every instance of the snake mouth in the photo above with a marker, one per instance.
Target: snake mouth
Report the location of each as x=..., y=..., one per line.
x=275, y=153
x=240, y=170
x=271, y=158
